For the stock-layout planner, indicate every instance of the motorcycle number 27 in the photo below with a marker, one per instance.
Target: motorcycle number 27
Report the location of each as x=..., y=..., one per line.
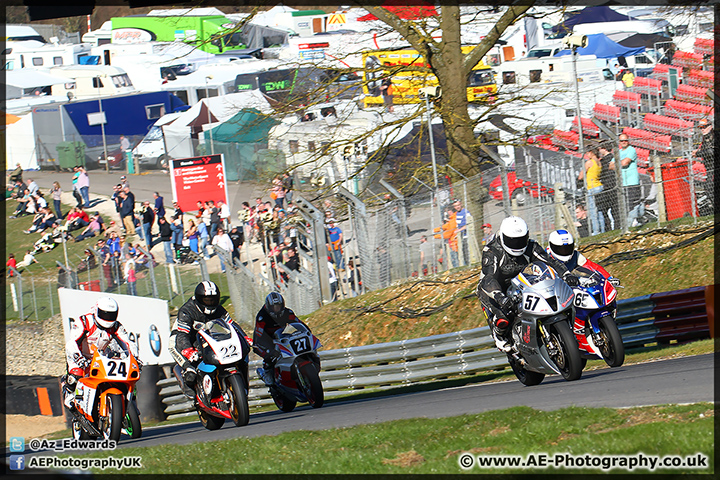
x=116, y=369
x=300, y=345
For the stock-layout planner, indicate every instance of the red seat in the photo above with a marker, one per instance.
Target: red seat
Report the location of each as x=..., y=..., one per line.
x=704, y=46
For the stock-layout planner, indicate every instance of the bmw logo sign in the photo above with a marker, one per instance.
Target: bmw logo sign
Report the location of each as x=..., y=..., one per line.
x=154, y=339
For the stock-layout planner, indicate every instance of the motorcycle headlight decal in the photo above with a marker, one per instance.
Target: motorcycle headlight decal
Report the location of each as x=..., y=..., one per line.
x=207, y=384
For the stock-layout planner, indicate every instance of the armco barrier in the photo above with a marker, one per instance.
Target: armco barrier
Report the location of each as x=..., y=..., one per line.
x=657, y=318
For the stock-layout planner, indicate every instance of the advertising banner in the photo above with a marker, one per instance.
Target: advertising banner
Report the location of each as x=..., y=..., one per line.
x=198, y=179
x=146, y=320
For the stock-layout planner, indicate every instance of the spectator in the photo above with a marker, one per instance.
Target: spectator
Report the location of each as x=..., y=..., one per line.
x=178, y=214
x=329, y=209
x=333, y=283
x=630, y=179
x=353, y=278
x=56, y=194
x=334, y=243
x=106, y=259
x=487, y=233
x=115, y=197
x=165, y=238
x=11, y=263
x=427, y=263
x=84, y=186
x=608, y=198
x=462, y=218
x=16, y=175
x=292, y=261
x=277, y=192
x=129, y=274
x=200, y=210
x=244, y=218
x=115, y=247
x=91, y=230
x=237, y=237
x=26, y=204
x=32, y=186
x=204, y=239
x=214, y=218
x=387, y=90
x=127, y=214
x=449, y=229
x=76, y=187
x=591, y=175
x=581, y=220
x=288, y=185
x=76, y=219
x=178, y=232
x=628, y=79
x=124, y=144
x=192, y=235
x=148, y=218
x=224, y=212
x=124, y=183
x=159, y=205
x=44, y=219
x=206, y=212
x=706, y=154
x=28, y=260
x=223, y=241
x=113, y=228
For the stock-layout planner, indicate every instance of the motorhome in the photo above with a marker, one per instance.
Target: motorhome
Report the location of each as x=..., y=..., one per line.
x=19, y=33
x=546, y=69
x=34, y=54
x=91, y=81
x=100, y=36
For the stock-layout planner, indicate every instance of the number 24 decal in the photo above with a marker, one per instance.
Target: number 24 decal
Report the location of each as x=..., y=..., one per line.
x=531, y=302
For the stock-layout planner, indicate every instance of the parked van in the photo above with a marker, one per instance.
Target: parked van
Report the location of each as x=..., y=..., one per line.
x=89, y=81
x=552, y=69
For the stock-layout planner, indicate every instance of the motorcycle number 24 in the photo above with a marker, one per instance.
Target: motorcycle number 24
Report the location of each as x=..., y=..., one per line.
x=121, y=369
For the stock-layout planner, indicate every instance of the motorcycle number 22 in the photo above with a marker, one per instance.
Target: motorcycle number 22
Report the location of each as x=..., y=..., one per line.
x=300, y=345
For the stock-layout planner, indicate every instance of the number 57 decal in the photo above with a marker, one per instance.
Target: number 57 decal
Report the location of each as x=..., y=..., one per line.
x=531, y=302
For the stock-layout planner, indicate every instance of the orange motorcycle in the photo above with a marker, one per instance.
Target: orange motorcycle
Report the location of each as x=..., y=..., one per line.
x=105, y=398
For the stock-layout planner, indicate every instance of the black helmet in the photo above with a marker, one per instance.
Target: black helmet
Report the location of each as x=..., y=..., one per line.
x=207, y=297
x=275, y=305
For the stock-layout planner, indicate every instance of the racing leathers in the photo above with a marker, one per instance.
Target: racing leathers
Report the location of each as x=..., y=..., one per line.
x=84, y=335
x=498, y=269
x=579, y=260
x=265, y=328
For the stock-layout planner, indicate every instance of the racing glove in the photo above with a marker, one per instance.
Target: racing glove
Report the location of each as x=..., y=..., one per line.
x=191, y=354
x=506, y=304
x=571, y=279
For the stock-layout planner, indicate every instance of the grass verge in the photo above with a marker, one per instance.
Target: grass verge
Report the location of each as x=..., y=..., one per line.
x=419, y=446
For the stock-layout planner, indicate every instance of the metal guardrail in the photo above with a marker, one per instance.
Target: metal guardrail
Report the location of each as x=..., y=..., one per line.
x=662, y=317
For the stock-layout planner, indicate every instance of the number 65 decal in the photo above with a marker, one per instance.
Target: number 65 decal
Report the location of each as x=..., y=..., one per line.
x=580, y=298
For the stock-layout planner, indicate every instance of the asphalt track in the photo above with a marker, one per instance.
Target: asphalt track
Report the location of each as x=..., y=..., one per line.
x=680, y=380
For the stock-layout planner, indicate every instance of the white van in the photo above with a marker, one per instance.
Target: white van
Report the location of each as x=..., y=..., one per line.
x=151, y=150
x=91, y=81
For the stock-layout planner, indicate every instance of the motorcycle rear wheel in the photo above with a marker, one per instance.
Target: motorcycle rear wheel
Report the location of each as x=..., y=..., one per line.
x=283, y=402
x=613, y=350
x=112, y=427
x=525, y=376
x=568, y=360
x=239, y=411
x=133, y=426
x=311, y=385
x=209, y=421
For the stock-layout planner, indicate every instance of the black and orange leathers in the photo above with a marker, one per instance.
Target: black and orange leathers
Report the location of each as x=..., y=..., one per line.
x=499, y=267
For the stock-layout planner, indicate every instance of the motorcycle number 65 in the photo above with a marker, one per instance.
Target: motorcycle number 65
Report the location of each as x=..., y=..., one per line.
x=300, y=345
x=583, y=300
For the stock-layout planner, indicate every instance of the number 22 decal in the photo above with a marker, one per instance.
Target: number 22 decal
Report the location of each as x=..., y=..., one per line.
x=531, y=302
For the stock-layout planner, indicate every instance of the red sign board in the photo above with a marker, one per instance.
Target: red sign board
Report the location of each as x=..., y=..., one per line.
x=198, y=178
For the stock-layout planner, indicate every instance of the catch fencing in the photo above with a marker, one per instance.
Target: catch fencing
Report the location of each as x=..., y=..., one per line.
x=658, y=318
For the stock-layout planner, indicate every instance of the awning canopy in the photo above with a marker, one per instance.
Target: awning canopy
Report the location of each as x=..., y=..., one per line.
x=602, y=47
x=29, y=78
x=589, y=15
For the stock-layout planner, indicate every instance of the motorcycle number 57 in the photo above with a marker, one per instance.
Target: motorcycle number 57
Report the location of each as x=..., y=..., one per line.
x=531, y=302
x=300, y=345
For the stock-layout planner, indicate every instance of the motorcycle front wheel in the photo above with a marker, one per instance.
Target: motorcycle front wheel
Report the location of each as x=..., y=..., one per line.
x=132, y=421
x=239, y=411
x=567, y=353
x=112, y=425
x=525, y=376
x=283, y=402
x=209, y=421
x=612, y=349
x=311, y=385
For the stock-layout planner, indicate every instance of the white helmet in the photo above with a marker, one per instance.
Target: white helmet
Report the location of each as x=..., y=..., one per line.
x=514, y=236
x=106, y=313
x=562, y=245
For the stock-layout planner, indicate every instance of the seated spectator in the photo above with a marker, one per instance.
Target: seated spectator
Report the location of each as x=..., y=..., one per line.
x=77, y=219
x=91, y=230
x=28, y=260
x=45, y=219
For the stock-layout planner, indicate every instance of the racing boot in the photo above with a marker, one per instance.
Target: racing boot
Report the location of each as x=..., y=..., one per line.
x=189, y=380
x=500, y=335
x=68, y=385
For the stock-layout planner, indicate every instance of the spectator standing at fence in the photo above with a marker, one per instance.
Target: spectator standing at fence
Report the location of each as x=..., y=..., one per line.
x=84, y=186
x=127, y=214
x=244, y=218
x=706, y=154
x=591, y=175
x=105, y=259
x=214, y=218
x=76, y=187
x=193, y=236
x=204, y=238
x=159, y=205
x=56, y=195
x=200, y=210
x=165, y=238
x=113, y=244
x=462, y=218
x=607, y=200
x=288, y=185
x=277, y=192
x=178, y=233
x=148, y=218
x=487, y=233
x=630, y=179
x=237, y=237
x=449, y=235
x=334, y=243
x=223, y=241
x=581, y=222
x=178, y=214
x=427, y=262
x=129, y=274
x=224, y=212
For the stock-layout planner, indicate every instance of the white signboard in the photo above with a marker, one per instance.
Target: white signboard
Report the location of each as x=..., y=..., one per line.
x=97, y=118
x=146, y=320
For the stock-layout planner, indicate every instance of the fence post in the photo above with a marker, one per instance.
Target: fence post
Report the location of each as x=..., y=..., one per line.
x=662, y=214
x=151, y=267
x=32, y=283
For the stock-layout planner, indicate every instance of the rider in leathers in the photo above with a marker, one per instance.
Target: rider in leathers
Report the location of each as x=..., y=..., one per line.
x=201, y=308
x=503, y=258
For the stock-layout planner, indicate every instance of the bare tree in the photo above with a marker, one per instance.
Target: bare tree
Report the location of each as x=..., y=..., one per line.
x=451, y=67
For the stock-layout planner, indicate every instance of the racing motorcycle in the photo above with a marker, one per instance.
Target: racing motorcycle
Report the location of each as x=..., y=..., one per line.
x=105, y=399
x=595, y=329
x=541, y=339
x=222, y=386
x=297, y=372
